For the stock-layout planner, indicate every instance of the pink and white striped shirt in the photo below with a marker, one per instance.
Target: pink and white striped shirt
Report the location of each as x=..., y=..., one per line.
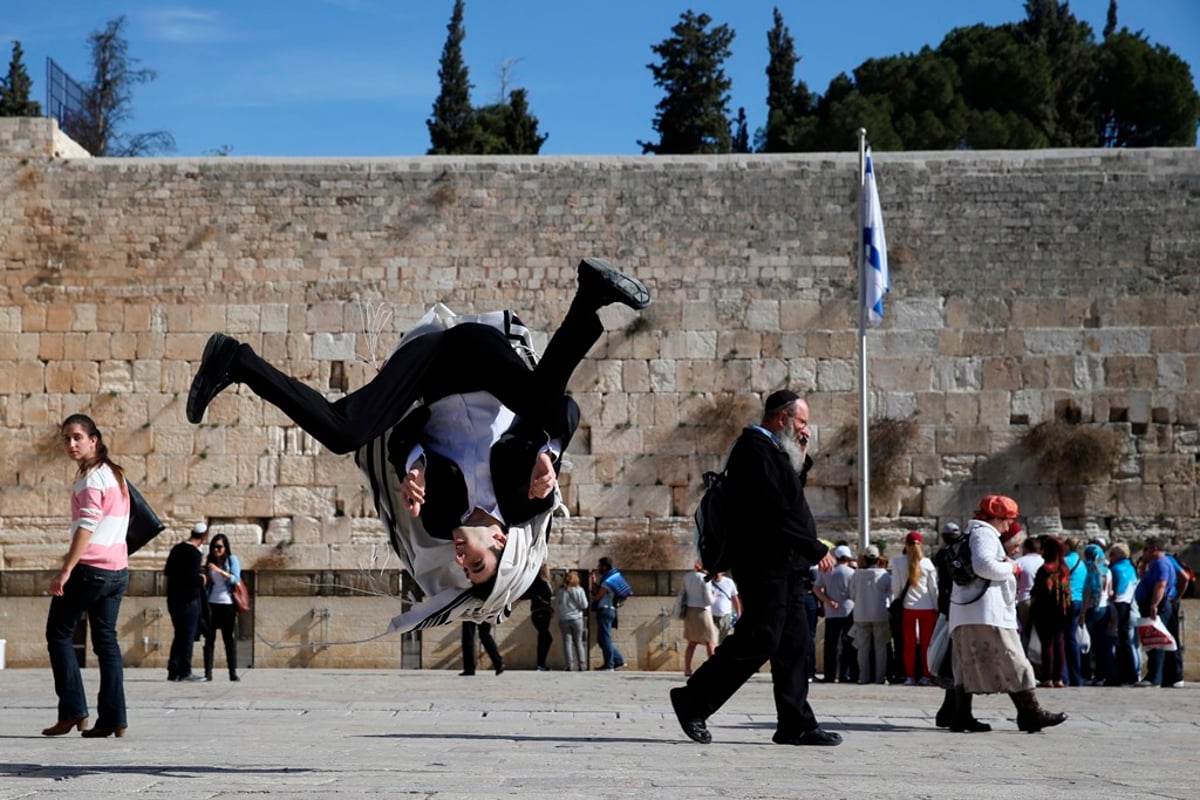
x=99, y=505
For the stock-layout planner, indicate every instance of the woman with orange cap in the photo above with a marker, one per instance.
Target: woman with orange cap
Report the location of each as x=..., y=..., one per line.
x=987, y=652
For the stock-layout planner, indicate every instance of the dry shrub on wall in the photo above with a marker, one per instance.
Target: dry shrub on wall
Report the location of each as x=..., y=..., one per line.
x=645, y=551
x=890, y=441
x=1070, y=453
x=724, y=416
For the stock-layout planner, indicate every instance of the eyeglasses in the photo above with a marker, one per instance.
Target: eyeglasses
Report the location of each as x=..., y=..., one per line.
x=218, y=547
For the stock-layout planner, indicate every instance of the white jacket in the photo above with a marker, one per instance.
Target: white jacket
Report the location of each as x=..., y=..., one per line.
x=990, y=599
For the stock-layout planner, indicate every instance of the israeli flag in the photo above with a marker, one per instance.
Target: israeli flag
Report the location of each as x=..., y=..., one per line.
x=874, y=248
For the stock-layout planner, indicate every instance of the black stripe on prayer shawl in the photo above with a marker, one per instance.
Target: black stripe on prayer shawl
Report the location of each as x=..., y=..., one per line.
x=372, y=460
x=520, y=338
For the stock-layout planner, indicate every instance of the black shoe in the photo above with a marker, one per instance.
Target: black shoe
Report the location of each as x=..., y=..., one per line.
x=466, y=672
x=234, y=677
x=500, y=669
x=816, y=737
x=694, y=727
x=599, y=281
x=212, y=375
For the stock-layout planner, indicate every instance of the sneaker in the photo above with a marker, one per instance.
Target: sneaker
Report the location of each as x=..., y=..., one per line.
x=1144, y=684
x=1177, y=685
x=925, y=682
x=909, y=682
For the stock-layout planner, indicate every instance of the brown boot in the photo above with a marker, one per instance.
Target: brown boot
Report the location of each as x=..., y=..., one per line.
x=1031, y=717
x=964, y=722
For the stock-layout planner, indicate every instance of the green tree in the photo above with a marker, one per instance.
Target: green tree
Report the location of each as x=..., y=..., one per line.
x=789, y=102
x=1070, y=45
x=741, y=133
x=15, y=88
x=693, y=116
x=454, y=126
x=1146, y=94
x=108, y=100
x=508, y=128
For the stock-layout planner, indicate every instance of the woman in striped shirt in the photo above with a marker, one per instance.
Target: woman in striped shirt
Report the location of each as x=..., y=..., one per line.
x=93, y=578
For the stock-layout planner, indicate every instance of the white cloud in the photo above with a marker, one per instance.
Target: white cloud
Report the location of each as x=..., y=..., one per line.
x=187, y=26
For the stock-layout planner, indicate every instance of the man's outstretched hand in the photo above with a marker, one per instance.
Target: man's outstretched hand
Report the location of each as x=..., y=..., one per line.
x=413, y=488
x=543, y=479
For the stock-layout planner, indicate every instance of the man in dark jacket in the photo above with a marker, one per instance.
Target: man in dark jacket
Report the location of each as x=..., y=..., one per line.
x=185, y=582
x=771, y=558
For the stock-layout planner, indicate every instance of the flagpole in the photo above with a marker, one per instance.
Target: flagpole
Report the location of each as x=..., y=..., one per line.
x=864, y=455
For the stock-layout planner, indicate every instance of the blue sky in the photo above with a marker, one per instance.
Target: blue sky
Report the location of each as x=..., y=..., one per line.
x=358, y=77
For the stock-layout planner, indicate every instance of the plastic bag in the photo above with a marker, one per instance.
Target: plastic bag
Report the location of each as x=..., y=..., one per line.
x=1084, y=639
x=939, y=642
x=1153, y=634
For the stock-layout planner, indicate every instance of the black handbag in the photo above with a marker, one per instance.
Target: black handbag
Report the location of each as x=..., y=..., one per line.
x=144, y=524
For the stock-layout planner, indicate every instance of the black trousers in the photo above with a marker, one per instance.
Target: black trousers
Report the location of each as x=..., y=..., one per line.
x=185, y=617
x=485, y=638
x=465, y=358
x=224, y=618
x=541, y=623
x=773, y=627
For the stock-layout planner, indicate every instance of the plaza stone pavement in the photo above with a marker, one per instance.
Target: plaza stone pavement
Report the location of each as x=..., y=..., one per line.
x=433, y=734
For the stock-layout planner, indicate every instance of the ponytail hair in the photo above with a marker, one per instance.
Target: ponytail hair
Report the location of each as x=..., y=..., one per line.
x=915, y=554
x=89, y=427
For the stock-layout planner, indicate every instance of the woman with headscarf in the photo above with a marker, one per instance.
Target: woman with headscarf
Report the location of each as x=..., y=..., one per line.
x=1098, y=615
x=987, y=652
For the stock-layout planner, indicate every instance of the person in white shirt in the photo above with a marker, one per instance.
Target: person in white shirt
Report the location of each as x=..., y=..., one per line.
x=698, y=628
x=1027, y=566
x=870, y=588
x=914, y=584
x=727, y=606
x=833, y=590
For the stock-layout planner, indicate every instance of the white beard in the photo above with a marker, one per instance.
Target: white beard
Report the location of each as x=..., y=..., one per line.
x=794, y=452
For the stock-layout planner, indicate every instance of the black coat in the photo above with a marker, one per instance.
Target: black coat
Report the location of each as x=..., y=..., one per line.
x=777, y=533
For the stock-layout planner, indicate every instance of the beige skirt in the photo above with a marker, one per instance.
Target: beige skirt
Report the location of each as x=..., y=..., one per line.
x=988, y=660
x=698, y=626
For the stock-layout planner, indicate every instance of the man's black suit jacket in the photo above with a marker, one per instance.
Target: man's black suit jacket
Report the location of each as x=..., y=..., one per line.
x=512, y=460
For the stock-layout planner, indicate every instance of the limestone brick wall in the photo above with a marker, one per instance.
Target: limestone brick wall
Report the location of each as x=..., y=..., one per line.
x=1024, y=283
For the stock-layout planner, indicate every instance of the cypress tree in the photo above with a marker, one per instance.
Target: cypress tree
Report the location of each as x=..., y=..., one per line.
x=15, y=88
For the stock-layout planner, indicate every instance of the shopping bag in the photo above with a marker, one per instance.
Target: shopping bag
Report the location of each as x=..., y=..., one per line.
x=1153, y=634
x=1083, y=639
x=1034, y=653
x=939, y=642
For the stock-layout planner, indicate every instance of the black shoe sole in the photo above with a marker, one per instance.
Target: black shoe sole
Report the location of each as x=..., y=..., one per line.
x=618, y=287
x=212, y=376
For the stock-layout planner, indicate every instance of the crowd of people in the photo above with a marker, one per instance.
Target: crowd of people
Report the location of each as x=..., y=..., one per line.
x=1077, y=603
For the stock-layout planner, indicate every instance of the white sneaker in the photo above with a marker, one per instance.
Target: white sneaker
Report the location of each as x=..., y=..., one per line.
x=1177, y=685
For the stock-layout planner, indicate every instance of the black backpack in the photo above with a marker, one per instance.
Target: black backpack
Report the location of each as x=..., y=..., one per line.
x=713, y=516
x=959, y=560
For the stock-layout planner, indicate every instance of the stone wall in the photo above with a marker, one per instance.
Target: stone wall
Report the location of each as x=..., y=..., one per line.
x=1026, y=285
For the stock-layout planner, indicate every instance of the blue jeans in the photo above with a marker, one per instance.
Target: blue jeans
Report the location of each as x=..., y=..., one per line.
x=1100, y=625
x=185, y=618
x=612, y=656
x=1072, y=672
x=98, y=593
x=810, y=610
x=1162, y=667
x=1129, y=658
